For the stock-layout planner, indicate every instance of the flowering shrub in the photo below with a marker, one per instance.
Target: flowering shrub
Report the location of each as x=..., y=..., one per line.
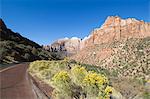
x=94, y=78
x=78, y=73
x=94, y=84
x=62, y=84
x=46, y=69
x=108, y=91
x=71, y=83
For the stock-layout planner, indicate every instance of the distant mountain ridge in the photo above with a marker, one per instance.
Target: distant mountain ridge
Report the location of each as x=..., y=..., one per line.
x=69, y=45
x=113, y=29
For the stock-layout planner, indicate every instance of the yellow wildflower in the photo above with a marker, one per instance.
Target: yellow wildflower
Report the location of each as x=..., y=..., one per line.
x=108, y=90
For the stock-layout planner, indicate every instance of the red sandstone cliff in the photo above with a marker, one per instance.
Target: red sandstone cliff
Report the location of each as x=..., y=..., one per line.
x=115, y=29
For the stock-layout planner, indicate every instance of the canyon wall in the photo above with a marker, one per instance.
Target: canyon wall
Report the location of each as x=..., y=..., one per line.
x=113, y=29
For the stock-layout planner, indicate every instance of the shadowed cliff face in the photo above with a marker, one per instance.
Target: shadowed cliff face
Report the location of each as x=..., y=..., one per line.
x=113, y=29
x=8, y=34
x=2, y=24
x=16, y=48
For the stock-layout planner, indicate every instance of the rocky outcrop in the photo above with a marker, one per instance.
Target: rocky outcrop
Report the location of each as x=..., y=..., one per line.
x=118, y=45
x=115, y=29
x=2, y=24
x=71, y=46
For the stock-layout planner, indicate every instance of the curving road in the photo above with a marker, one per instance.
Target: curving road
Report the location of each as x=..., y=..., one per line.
x=15, y=83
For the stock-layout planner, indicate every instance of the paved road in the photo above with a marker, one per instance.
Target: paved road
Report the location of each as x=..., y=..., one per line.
x=15, y=84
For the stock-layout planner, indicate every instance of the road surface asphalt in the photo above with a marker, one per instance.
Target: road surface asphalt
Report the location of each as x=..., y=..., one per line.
x=15, y=83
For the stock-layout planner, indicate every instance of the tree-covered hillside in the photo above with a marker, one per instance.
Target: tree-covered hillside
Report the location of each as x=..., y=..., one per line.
x=15, y=48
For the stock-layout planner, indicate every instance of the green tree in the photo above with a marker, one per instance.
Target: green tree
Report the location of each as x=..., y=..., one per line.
x=34, y=51
x=27, y=56
x=3, y=53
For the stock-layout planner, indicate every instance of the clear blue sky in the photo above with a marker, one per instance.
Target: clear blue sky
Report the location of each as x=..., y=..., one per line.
x=45, y=21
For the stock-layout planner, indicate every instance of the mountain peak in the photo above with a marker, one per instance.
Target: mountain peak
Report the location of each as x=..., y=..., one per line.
x=2, y=24
x=115, y=28
x=113, y=17
x=118, y=21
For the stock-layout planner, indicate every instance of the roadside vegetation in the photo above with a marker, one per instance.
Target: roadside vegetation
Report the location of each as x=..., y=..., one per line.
x=73, y=81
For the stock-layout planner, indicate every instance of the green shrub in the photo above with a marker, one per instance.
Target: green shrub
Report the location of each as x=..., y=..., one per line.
x=27, y=56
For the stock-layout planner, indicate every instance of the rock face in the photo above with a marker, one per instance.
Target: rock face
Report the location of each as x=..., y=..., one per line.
x=120, y=46
x=115, y=29
x=71, y=46
x=2, y=24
